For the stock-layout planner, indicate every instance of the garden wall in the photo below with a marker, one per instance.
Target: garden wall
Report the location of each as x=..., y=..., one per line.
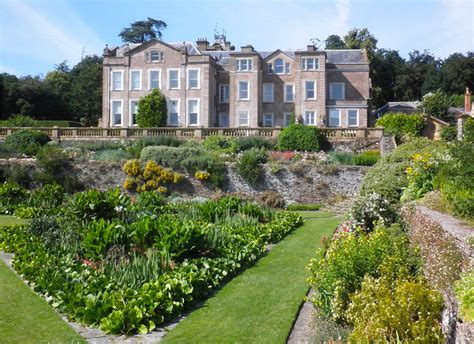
x=297, y=182
x=444, y=246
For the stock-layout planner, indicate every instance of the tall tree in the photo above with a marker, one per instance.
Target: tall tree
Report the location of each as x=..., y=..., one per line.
x=457, y=73
x=385, y=66
x=334, y=42
x=143, y=30
x=361, y=39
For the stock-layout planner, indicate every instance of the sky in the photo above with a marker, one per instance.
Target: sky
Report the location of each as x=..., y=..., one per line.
x=36, y=35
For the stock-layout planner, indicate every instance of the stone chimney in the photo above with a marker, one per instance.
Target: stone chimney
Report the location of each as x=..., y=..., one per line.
x=467, y=101
x=247, y=48
x=311, y=47
x=202, y=44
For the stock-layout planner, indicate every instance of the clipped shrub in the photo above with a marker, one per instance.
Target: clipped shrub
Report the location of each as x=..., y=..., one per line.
x=26, y=141
x=401, y=124
x=300, y=137
x=368, y=158
x=152, y=110
x=304, y=207
x=249, y=166
x=168, y=156
x=245, y=143
x=449, y=133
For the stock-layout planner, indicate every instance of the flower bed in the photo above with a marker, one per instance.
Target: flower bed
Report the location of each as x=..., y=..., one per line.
x=127, y=266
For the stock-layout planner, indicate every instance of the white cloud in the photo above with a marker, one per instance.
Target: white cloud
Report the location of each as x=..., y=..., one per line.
x=30, y=31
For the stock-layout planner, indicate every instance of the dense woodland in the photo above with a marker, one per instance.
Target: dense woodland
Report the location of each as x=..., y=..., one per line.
x=74, y=93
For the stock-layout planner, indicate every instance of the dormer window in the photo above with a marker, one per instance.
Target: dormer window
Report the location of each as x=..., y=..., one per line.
x=156, y=56
x=279, y=66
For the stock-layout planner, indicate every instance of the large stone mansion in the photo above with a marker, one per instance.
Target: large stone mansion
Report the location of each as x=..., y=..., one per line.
x=215, y=86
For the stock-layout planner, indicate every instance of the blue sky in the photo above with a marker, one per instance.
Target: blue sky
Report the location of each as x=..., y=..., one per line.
x=37, y=34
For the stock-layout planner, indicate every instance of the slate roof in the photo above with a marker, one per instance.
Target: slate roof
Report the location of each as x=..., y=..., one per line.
x=352, y=56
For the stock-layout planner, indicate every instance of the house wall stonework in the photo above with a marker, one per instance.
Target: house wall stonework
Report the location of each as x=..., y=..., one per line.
x=217, y=66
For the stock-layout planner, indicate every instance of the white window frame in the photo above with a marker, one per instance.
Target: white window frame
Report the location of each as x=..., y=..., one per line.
x=237, y=124
x=112, y=80
x=149, y=78
x=315, y=115
x=238, y=65
x=112, y=101
x=306, y=91
x=248, y=90
x=286, y=93
x=304, y=63
x=130, y=114
x=161, y=56
x=178, y=102
x=331, y=92
x=357, y=118
x=223, y=100
x=198, y=79
x=132, y=71
x=272, y=98
x=188, y=117
x=270, y=68
x=286, y=118
x=228, y=119
x=329, y=118
x=272, y=117
x=287, y=70
x=282, y=66
x=169, y=79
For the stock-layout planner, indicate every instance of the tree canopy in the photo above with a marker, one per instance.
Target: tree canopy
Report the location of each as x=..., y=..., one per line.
x=152, y=110
x=143, y=30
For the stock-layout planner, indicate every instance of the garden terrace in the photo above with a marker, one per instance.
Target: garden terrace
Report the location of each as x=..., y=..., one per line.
x=95, y=134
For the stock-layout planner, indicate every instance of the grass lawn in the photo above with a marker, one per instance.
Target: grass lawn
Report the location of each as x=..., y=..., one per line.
x=7, y=220
x=260, y=305
x=24, y=316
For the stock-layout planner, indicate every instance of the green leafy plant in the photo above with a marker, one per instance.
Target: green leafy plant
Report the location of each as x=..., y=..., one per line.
x=368, y=158
x=400, y=124
x=300, y=138
x=465, y=294
x=26, y=141
x=449, y=133
x=342, y=158
x=152, y=110
x=303, y=207
x=249, y=166
x=168, y=156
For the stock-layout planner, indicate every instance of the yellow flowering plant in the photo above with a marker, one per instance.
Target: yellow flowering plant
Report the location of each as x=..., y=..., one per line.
x=420, y=175
x=202, y=175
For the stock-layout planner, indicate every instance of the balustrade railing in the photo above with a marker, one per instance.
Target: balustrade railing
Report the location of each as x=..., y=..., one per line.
x=336, y=134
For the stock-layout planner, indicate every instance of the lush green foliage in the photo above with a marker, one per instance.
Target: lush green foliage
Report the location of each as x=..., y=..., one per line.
x=220, y=143
x=465, y=295
x=249, y=166
x=245, y=143
x=19, y=121
x=352, y=256
x=436, y=104
x=300, y=137
x=136, y=265
x=373, y=209
x=26, y=141
x=396, y=309
x=400, y=124
x=343, y=158
x=368, y=158
x=303, y=207
x=152, y=110
x=143, y=30
x=449, y=133
x=469, y=130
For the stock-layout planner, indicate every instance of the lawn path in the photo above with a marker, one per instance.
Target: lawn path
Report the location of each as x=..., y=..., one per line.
x=259, y=305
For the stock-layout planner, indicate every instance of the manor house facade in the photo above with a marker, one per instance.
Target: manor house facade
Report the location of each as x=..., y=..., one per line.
x=212, y=85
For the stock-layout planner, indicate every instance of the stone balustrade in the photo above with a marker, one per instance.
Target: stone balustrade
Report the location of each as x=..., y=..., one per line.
x=78, y=134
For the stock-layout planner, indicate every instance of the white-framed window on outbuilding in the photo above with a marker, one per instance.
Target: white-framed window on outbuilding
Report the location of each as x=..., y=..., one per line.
x=268, y=119
x=334, y=117
x=352, y=118
x=116, y=113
